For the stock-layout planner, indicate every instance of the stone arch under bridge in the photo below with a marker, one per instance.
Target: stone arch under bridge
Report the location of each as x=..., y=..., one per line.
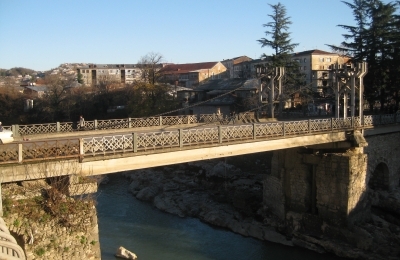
x=379, y=179
x=383, y=169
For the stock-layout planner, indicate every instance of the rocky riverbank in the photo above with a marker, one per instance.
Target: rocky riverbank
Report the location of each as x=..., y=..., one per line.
x=221, y=194
x=64, y=228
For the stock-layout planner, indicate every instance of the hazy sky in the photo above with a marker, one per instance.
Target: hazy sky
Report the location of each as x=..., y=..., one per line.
x=42, y=34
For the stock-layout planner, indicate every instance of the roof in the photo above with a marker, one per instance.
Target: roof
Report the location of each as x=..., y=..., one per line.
x=229, y=84
x=316, y=52
x=37, y=88
x=188, y=67
x=108, y=66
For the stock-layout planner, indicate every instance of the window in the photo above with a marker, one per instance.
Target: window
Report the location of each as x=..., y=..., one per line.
x=328, y=59
x=304, y=60
x=321, y=59
x=304, y=68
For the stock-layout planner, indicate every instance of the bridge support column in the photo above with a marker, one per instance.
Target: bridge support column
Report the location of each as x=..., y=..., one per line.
x=329, y=185
x=79, y=186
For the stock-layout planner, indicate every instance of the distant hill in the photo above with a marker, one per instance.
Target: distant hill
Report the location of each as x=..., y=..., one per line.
x=16, y=71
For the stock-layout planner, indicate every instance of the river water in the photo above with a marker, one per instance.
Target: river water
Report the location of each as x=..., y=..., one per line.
x=153, y=235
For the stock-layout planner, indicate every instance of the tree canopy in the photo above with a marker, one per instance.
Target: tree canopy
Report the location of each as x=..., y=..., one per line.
x=375, y=39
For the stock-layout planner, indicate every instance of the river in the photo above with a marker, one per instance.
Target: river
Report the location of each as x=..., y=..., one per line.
x=153, y=235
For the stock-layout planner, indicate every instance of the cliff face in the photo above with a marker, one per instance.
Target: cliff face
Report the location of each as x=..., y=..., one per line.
x=225, y=196
x=43, y=234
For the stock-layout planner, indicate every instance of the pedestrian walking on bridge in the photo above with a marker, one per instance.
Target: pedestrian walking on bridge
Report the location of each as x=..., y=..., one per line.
x=81, y=123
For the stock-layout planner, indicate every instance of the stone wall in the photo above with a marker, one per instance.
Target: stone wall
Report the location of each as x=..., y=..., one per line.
x=289, y=185
x=330, y=185
x=384, y=149
x=341, y=187
x=42, y=236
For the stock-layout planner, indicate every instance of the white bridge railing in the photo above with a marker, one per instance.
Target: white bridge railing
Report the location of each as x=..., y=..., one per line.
x=9, y=248
x=180, y=138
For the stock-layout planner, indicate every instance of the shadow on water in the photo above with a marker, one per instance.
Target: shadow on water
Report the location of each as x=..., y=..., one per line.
x=152, y=234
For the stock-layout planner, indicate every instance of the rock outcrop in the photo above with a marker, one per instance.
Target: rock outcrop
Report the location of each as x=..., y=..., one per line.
x=225, y=196
x=125, y=254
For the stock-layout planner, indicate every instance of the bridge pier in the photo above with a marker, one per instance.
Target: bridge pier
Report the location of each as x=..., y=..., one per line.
x=329, y=184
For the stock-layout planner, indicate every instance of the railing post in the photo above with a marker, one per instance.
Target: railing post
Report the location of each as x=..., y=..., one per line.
x=352, y=122
x=331, y=124
x=309, y=126
x=283, y=128
x=20, y=153
x=180, y=137
x=58, y=126
x=134, y=141
x=81, y=150
x=254, y=131
x=15, y=130
x=219, y=134
x=129, y=123
x=95, y=124
x=160, y=121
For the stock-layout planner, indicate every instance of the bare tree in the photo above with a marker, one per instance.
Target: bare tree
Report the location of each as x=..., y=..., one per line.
x=150, y=64
x=56, y=96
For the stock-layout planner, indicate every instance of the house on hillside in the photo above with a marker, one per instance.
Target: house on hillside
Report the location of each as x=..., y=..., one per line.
x=35, y=91
x=238, y=67
x=190, y=75
x=218, y=95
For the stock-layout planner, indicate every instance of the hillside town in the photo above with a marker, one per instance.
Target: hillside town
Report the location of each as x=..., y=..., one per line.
x=232, y=78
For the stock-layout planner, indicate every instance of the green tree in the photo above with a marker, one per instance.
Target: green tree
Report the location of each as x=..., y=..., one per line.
x=149, y=100
x=355, y=42
x=278, y=39
x=373, y=39
x=80, y=78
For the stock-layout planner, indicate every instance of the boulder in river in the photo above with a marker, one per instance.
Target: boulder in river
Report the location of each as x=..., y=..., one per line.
x=125, y=254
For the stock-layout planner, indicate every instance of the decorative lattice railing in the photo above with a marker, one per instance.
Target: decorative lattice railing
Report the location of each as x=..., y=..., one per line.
x=35, y=129
x=49, y=128
x=179, y=138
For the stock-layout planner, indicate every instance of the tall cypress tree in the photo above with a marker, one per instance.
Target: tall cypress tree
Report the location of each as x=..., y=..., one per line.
x=355, y=43
x=372, y=40
x=278, y=39
x=394, y=67
x=379, y=50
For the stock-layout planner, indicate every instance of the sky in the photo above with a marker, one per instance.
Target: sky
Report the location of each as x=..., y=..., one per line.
x=42, y=34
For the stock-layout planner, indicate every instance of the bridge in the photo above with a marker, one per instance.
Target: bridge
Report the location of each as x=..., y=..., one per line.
x=136, y=148
x=321, y=166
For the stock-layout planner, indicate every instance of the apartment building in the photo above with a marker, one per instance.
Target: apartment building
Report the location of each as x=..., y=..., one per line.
x=190, y=75
x=316, y=65
x=237, y=67
x=118, y=73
